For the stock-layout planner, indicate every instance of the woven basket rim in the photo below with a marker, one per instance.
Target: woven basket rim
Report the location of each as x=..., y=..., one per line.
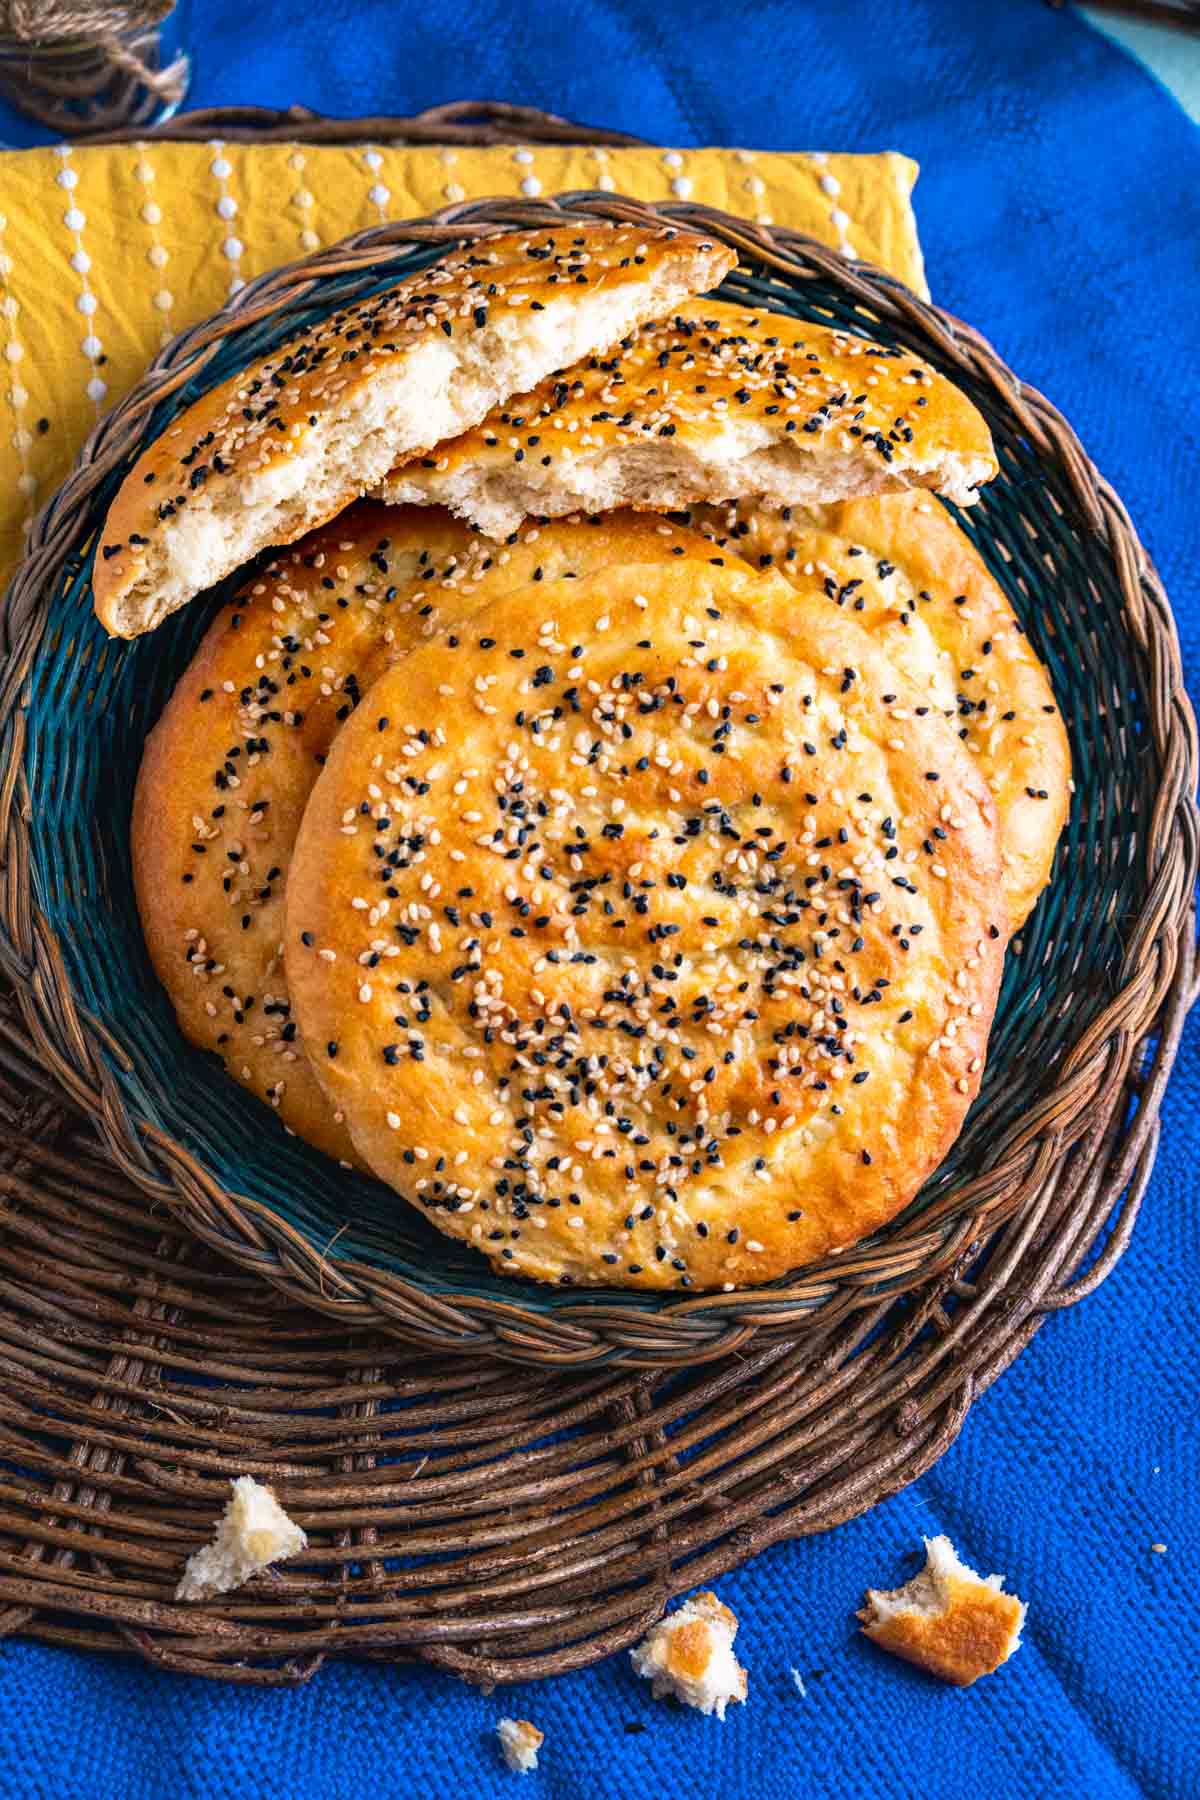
x=470, y=122
x=603, y=1326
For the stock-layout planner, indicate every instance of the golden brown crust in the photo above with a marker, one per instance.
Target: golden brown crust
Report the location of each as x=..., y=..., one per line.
x=947, y=1620
x=692, y=378
x=229, y=766
x=971, y=1638
x=265, y=414
x=915, y=581
x=597, y=950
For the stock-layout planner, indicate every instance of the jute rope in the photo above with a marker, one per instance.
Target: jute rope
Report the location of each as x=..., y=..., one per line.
x=84, y=64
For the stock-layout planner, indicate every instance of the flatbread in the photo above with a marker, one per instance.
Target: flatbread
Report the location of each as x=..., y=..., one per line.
x=911, y=577
x=296, y=436
x=645, y=934
x=228, y=769
x=711, y=402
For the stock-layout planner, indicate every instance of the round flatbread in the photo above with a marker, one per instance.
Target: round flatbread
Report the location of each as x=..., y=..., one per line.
x=906, y=572
x=711, y=402
x=645, y=934
x=228, y=769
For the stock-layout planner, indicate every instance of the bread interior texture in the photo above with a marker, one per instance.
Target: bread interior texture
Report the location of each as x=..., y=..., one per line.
x=746, y=462
x=437, y=389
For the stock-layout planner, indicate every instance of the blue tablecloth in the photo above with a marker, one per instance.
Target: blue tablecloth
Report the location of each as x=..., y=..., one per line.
x=1059, y=206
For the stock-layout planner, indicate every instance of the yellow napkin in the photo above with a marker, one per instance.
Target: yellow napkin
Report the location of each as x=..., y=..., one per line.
x=105, y=253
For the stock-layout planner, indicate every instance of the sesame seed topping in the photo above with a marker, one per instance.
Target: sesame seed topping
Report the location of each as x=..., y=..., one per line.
x=614, y=983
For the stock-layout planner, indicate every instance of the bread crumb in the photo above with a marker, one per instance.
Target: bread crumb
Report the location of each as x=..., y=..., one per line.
x=252, y=1533
x=690, y=1654
x=520, y=1742
x=1159, y=1549
x=948, y=1620
x=799, y=1681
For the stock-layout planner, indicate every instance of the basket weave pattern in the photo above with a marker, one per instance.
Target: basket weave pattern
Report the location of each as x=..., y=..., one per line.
x=507, y=1522
x=504, y=1524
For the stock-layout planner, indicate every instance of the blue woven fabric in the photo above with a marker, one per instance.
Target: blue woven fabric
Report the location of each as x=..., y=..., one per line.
x=1059, y=205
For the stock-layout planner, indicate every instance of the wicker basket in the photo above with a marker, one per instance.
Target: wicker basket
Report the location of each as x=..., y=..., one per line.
x=608, y=1490
x=1079, y=990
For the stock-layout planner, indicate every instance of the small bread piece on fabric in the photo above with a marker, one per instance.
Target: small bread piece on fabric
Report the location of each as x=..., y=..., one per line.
x=658, y=935
x=690, y=1654
x=252, y=1533
x=228, y=768
x=520, y=1741
x=914, y=580
x=293, y=438
x=711, y=402
x=956, y=1624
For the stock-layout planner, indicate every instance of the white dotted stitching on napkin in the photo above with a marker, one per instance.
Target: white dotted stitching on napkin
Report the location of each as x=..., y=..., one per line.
x=303, y=202
x=755, y=186
x=604, y=180
x=75, y=219
x=453, y=190
x=378, y=193
x=226, y=209
x=680, y=184
x=18, y=395
x=839, y=218
x=529, y=184
x=157, y=255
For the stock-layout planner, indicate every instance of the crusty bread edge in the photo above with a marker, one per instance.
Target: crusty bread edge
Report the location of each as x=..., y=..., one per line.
x=449, y=402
